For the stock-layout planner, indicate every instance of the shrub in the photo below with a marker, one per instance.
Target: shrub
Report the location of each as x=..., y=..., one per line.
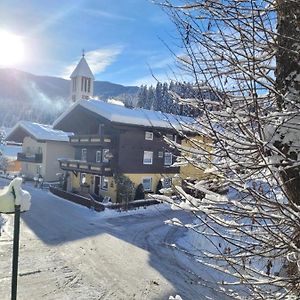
x=159, y=187
x=125, y=188
x=139, y=192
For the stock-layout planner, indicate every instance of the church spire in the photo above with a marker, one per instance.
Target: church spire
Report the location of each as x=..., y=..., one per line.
x=82, y=81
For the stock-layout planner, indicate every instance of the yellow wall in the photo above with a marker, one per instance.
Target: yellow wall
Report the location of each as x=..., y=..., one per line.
x=76, y=180
x=195, y=172
x=111, y=191
x=138, y=178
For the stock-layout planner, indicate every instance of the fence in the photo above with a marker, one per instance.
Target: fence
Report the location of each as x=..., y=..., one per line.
x=77, y=199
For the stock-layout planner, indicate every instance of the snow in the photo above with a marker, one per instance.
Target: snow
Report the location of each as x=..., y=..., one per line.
x=38, y=132
x=116, y=102
x=177, y=297
x=140, y=117
x=8, y=200
x=68, y=251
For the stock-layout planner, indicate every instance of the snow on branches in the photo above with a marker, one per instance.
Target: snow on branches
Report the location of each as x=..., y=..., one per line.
x=247, y=55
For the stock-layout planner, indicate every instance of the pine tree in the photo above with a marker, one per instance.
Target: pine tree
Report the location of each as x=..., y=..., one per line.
x=157, y=103
x=142, y=96
x=150, y=98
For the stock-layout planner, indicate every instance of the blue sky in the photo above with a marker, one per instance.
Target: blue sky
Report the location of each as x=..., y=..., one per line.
x=122, y=38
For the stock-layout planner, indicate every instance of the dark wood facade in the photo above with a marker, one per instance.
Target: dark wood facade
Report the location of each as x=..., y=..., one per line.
x=126, y=144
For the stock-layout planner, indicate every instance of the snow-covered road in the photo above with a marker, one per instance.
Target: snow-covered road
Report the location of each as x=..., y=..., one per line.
x=70, y=252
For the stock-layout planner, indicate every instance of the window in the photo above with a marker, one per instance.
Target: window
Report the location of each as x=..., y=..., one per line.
x=82, y=178
x=98, y=156
x=169, y=137
x=85, y=84
x=147, y=184
x=168, y=158
x=172, y=137
x=83, y=154
x=89, y=85
x=104, y=183
x=105, y=155
x=74, y=84
x=82, y=83
x=148, y=158
x=167, y=182
x=149, y=136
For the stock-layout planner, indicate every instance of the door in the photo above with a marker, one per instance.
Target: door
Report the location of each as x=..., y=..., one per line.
x=96, y=185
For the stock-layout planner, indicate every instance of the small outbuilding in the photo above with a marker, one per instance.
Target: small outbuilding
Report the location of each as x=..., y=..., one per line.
x=42, y=146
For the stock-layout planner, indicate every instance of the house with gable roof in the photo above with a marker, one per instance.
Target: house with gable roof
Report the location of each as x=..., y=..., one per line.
x=111, y=139
x=41, y=148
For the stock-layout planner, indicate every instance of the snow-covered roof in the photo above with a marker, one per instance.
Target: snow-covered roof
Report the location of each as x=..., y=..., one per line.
x=140, y=117
x=36, y=131
x=82, y=69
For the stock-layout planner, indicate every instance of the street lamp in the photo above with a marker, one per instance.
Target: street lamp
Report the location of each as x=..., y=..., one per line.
x=14, y=200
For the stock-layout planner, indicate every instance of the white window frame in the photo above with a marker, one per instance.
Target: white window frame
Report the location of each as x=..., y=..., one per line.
x=82, y=175
x=168, y=159
x=104, y=183
x=82, y=155
x=98, y=156
x=149, y=135
x=150, y=185
x=148, y=160
x=105, y=159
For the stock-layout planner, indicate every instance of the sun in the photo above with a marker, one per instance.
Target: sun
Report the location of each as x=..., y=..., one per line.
x=11, y=49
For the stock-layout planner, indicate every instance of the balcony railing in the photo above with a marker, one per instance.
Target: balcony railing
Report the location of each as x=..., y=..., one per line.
x=90, y=140
x=34, y=158
x=85, y=167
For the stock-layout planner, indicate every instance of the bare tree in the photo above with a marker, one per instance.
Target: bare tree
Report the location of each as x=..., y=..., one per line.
x=247, y=53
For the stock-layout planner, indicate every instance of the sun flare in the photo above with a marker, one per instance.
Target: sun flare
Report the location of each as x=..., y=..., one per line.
x=11, y=49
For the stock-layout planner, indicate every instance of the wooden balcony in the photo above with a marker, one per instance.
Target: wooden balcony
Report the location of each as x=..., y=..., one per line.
x=89, y=140
x=86, y=167
x=33, y=158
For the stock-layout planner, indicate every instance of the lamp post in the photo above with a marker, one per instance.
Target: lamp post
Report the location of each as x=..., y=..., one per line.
x=14, y=200
x=14, y=281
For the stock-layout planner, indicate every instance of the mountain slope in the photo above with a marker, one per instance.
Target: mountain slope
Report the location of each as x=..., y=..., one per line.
x=42, y=98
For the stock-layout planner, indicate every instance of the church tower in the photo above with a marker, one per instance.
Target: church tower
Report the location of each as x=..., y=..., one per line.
x=82, y=81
